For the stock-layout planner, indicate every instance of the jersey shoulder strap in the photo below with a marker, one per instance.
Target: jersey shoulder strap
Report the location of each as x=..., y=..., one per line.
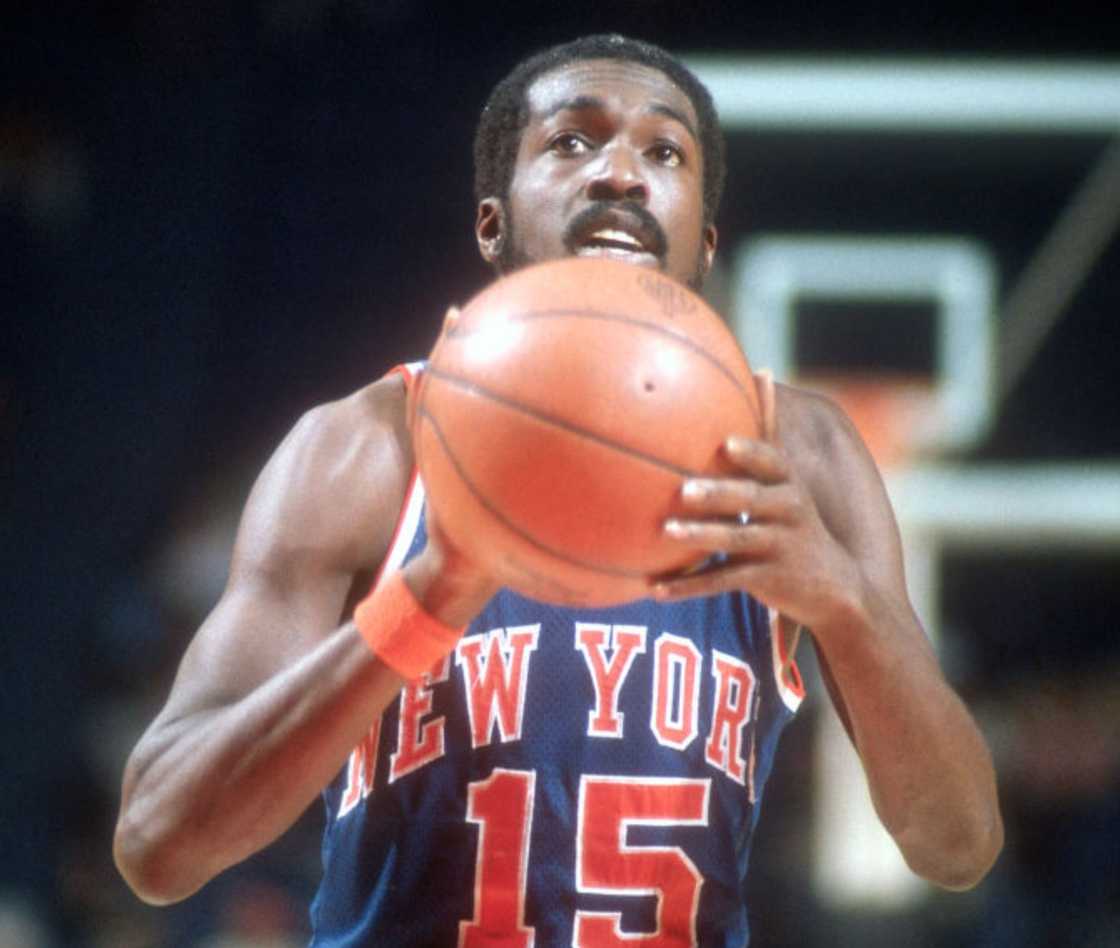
x=409, y=521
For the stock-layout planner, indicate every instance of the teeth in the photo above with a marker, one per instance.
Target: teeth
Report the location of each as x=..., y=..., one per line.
x=616, y=237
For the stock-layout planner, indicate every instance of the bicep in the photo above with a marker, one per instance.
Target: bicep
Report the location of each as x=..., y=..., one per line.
x=315, y=527
x=856, y=510
x=257, y=629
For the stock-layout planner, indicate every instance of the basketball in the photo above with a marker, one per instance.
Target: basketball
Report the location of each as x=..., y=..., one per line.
x=558, y=416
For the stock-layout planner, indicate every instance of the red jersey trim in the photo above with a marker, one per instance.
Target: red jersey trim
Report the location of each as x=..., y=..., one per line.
x=787, y=675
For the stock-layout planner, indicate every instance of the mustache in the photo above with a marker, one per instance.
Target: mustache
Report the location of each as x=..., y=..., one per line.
x=602, y=214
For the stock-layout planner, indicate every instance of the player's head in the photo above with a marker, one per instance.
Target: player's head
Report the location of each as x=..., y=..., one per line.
x=598, y=136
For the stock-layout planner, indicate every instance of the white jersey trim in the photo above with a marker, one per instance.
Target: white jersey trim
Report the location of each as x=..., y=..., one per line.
x=407, y=524
x=409, y=518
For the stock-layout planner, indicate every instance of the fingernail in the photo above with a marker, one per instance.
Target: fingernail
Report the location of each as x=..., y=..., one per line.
x=693, y=490
x=674, y=528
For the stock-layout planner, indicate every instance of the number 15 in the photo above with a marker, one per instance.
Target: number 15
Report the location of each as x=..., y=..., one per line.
x=502, y=806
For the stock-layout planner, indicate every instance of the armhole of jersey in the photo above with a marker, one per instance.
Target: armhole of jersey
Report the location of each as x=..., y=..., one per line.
x=409, y=518
x=410, y=371
x=787, y=675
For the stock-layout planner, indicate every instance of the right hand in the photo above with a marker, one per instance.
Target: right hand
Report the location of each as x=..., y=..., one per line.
x=446, y=582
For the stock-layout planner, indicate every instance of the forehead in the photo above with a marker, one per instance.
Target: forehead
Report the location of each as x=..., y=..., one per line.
x=615, y=82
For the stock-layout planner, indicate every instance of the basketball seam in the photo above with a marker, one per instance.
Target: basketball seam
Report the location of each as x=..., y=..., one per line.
x=477, y=389
x=680, y=338
x=507, y=522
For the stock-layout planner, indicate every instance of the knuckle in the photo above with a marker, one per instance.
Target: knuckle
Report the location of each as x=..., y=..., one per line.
x=778, y=471
x=748, y=539
x=793, y=502
x=749, y=492
x=765, y=544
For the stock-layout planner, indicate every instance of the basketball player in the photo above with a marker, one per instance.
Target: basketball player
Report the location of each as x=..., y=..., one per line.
x=498, y=771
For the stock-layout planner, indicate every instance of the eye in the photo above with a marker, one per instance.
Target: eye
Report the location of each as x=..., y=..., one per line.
x=666, y=154
x=569, y=143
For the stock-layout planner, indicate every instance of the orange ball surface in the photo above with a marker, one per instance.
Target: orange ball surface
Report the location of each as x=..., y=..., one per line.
x=559, y=415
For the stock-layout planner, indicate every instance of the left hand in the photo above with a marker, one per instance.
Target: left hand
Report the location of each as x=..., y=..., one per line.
x=780, y=551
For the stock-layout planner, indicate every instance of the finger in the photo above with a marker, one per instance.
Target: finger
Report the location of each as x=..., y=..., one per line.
x=736, y=496
x=706, y=583
x=737, y=539
x=446, y=329
x=768, y=403
x=450, y=320
x=762, y=460
x=720, y=496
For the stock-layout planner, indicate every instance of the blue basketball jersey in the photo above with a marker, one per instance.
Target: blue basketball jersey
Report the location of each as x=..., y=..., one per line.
x=564, y=777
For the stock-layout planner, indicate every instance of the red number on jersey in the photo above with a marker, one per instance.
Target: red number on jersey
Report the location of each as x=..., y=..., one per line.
x=606, y=863
x=502, y=806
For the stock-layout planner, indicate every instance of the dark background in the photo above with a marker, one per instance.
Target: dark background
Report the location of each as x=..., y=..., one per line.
x=213, y=216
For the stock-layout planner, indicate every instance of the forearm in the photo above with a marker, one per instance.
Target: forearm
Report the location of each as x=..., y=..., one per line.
x=928, y=768
x=207, y=787
x=204, y=792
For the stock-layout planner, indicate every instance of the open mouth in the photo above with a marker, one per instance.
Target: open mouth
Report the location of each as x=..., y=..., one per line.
x=616, y=243
x=622, y=232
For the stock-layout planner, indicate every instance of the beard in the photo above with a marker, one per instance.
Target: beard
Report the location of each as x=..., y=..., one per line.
x=511, y=257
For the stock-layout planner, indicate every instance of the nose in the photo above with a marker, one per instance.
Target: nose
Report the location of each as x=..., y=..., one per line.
x=617, y=176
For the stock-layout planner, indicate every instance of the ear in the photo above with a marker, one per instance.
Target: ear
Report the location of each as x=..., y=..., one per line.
x=490, y=228
x=711, y=238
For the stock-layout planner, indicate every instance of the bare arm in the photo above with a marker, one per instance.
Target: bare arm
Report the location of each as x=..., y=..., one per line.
x=273, y=693
x=929, y=770
x=823, y=548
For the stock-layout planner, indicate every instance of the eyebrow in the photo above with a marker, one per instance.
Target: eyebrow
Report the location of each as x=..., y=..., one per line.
x=578, y=104
x=667, y=110
x=586, y=102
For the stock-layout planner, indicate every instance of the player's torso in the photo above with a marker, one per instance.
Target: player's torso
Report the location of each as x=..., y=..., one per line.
x=564, y=777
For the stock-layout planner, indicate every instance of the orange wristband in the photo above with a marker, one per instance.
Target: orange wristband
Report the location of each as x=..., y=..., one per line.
x=399, y=631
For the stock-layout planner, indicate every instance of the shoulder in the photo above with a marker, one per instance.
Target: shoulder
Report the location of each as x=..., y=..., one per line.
x=815, y=430
x=332, y=490
x=372, y=419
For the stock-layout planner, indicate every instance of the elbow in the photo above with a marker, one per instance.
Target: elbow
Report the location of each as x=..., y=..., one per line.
x=983, y=854
x=961, y=858
x=142, y=866
x=152, y=867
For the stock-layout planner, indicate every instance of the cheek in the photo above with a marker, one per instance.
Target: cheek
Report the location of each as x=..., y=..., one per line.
x=683, y=216
x=679, y=198
x=543, y=187
x=538, y=193
x=536, y=205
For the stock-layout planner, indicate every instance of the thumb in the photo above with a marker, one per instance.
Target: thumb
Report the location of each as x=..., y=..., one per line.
x=446, y=329
x=450, y=320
